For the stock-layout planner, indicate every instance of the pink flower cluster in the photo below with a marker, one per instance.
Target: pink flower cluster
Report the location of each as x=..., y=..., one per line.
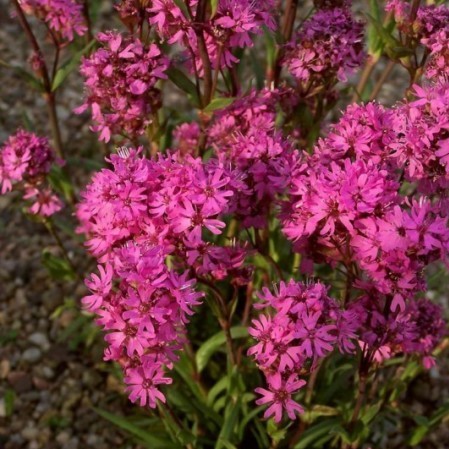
x=437, y=66
x=300, y=325
x=120, y=82
x=244, y=136
x=232, y=26
x=417, y=329
x=64, y=17
x=346, y=205
x=328, y=47
x=429, y=18
x=347, y=208
x=430, y=28
x=25, y=161
x=141, y=217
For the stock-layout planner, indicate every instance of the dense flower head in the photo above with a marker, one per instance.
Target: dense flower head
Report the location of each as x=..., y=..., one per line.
x=64, y=17
x=429, y=18
x=120, y=82
x=349, y=208
x=232, y=26
x=131, y=12
x=186, y=137
x=136, y=216
x=244, y=136
x=437, y=66
x=24, y=156
x=417, y=329
x=328, y=203
x=329, y=46
x=25, y=161
x=298, y=325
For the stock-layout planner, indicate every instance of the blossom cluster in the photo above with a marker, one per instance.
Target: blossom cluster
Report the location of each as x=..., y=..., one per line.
x=120, y=82
x=140, y=218
x=230, y=27
x=244, y=135
x=428, y=20
x=369, y=200
x=25, y=162
x=64, y=17
x=428, y=27
x=300, y=325
x=328, y=47
x=417, y=329
x=349, y=207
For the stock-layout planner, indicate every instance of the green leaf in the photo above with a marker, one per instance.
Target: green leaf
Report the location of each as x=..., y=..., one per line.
x=270, y=43
x=276, y=433
x=184, y=83
x=385, y=36
x=70, y=65
x=316, y=432
x=250, y=416
x=226, y=444
x=231, y=417
x=208, y=348
x=213, y=7
x=375, y=43
x=182, y=6
x=60, y=182
x=8, y=336
x=219, y=103
x=440, y=414
x=319, y=410
x=418, y=434
x=218, y=388
x=150, y=439
x=58, y=267
x=371, y=412
x=185, y=370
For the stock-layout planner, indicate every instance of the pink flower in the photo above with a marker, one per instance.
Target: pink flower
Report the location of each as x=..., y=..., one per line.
x=120, y=81
x=46, y=203
x=100, y=286
x=143, y=384
x=316, y=340
x=64, y=17
x=279, y=396
x=329, y=45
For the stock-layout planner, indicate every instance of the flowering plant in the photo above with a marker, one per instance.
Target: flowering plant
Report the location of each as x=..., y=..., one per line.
x=264, y=266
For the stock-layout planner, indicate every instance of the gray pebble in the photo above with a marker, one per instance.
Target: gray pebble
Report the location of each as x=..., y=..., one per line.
x=39, y=339
x=32, y=355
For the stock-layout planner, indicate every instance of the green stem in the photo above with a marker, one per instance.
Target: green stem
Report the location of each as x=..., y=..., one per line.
x=223, y=319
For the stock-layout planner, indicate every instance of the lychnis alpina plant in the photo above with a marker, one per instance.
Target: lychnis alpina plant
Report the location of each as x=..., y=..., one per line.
x=267, y=267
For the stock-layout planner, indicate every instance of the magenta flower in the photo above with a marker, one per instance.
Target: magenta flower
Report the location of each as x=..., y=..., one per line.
x=45, y=202
x=316, y=340
x=120, y=81
x=64, y=17
x=100, y=286
x=143, y=385
x=279, y=396
x=329, y=45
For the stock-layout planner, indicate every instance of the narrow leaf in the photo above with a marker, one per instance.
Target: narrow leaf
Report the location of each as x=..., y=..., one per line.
x=151, y=441
x=208, y=348
x=69, y=66
x=219, y=103
x=184, y=83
